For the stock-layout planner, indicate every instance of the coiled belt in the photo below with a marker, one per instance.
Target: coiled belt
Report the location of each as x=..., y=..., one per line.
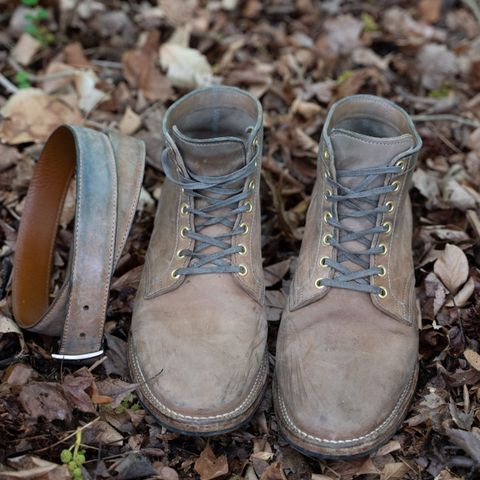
x=109, y=171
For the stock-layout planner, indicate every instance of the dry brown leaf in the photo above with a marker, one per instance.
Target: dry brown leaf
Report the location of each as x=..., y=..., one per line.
x=45, y=399
x=102, y=433
x=130, y=122
x=75, y=56
x=165, y=472
x=473, y=358
x=25, y=49
x=394, y=471
x=31, y=115
x=75, y=387
x=18, y=374
x=208, y=466
x=452, y=267
x=140, y=71
x=116, y=389
x=29, y=467
x=273, y=472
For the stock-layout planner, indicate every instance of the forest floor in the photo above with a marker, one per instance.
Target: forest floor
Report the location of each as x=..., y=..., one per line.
x=120, y=64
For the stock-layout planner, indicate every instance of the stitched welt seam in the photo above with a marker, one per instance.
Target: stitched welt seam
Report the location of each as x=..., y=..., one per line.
x=363, y=437
x=243, y=406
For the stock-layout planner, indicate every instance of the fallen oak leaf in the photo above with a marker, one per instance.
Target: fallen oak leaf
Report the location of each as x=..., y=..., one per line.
x=452, y=267
x=208, y=466
x=45, y=399
x=116, y=389
x=30, y=115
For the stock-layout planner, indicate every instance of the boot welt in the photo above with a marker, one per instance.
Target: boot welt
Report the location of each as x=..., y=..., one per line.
x=198, y=425
x=349, y=449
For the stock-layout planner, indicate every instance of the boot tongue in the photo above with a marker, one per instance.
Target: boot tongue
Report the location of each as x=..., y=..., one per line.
x=354, y=151
x=212, y=157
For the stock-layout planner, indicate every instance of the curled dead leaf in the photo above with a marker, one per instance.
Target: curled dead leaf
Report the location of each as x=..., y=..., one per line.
x=31, y=115
x=452, y=267
x=208, y=466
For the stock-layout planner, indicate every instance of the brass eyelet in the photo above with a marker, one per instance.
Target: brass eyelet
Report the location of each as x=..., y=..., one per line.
x=327, y=194
x=384, y=249
x=243, y=250
x=243, y=270
x=180, y=253
x=390, y=206
x=184, y=209
x=383, y=292
x=175, y=274
x=245, y=228
x=323, y=262
x=395, y=185
x=249, y=206
x=318, y=283
x=251, y=185
x=327, y=239
x=326, y=172
x=326, y=155
x=400, y=164
x=326, y=216
x=382, y=271
x=184, y=231
x=388, y=227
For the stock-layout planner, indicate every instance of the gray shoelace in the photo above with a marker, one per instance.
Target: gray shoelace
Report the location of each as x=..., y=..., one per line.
x=225, y=193
x=359, y=201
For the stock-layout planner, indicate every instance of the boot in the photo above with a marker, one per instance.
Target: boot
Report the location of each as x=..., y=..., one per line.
x=198, y=336
x=347, y=345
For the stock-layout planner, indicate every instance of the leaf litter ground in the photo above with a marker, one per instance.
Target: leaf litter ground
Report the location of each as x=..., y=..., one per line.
x=118, y=64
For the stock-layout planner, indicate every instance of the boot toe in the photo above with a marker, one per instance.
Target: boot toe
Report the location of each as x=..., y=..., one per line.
x=335, y=399
x=207, y=379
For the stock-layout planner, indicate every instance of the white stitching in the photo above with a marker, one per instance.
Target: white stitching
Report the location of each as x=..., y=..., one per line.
x=259, y=381
x=394, y=412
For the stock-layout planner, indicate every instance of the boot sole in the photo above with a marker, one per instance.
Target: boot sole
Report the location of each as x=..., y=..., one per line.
x=199, y=426
x=344, y=449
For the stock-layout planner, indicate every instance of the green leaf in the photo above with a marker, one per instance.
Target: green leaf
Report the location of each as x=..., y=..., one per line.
x=30, y=3
x=21, y=79
x=369, y=23
x=42, y=14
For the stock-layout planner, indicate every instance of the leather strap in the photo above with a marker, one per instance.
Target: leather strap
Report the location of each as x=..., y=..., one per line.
x=109, y=172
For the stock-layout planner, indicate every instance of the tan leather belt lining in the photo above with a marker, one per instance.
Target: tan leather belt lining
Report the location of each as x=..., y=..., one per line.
x=109, y=171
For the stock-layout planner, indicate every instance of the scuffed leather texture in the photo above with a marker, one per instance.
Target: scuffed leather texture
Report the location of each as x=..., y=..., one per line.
x=347, y=360
x=198, y=342
x=78, y=311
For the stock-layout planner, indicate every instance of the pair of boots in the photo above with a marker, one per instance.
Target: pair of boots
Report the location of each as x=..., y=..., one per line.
x=346, y=358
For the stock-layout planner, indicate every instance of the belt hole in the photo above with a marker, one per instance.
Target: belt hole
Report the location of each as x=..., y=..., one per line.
x=83, y=335
x=86, y=308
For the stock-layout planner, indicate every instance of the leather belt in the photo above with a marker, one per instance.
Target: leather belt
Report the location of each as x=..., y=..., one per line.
x=109, y=172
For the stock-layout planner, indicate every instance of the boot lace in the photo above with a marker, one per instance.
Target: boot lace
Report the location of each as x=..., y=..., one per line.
x=359, y=201
x=226, y=193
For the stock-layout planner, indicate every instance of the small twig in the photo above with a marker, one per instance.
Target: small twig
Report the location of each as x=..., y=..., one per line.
x=97, y=363
x=7, y=84
x=89, y=424
x=107, y=64
x=446, y=117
